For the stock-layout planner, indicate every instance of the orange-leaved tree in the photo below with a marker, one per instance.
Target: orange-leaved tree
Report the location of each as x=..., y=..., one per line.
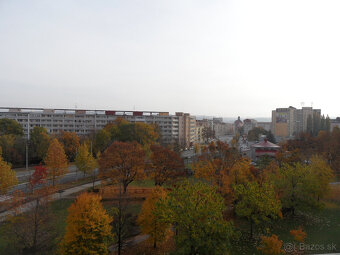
x=166, y=165
x=7, y=177
x=122, y=163
x=150, y=223
x=88, y=229
x=38, y=177
x=56, y=160
x=271, y=245
x=70, y=142
x=298, y=234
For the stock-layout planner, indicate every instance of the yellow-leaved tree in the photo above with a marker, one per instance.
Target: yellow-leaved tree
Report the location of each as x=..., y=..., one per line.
x=56, y=160
x=88, y=229
x=7, y=177
x=149, y=222
x=85, y=162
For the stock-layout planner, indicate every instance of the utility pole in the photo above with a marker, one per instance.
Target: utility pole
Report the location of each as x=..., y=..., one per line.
x=28, y=138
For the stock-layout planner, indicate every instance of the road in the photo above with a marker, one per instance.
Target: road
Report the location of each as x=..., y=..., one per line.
x=29, y=205
x=23, y=177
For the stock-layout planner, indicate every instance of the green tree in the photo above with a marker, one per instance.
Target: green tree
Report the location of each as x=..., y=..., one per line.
x=196, y=212
x=13, y=149
x=297, y=186
x=149, y=222
x=102, y=140
x=10, y=127
x=39, y=143
x=257, y=203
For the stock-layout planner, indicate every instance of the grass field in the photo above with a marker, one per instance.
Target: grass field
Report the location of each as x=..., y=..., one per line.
x=321, y=225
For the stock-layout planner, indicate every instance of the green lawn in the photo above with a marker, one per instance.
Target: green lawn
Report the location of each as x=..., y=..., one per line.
x=143, y=184
x=322, y=227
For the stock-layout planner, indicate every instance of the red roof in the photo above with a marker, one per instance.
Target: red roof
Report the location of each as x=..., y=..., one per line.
x=265, y=144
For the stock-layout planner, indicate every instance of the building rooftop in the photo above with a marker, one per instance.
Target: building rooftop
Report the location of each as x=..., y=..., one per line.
x=265, y=144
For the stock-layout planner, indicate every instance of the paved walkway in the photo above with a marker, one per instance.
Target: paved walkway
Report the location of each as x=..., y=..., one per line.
x=59, y=195
x=130, y=242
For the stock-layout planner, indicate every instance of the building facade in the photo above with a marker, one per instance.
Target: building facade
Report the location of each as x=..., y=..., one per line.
x=178, y=128
x=248, y=124
x=289, y=122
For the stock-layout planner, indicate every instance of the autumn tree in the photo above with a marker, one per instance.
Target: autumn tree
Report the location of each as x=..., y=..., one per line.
x=257, y=203
x=298, y=234
x=56, y=160
x=271, y=245
x=166, y=165
x=223, y=168
x=33, y=232
x=145, y=134
x=123, y=220
x=122, y=162
x=84, y=160
x=38, y=177
x=322, y=175
x=196, y=212
x=88, y=229
x=240, y=172
x=7, y=177
x=70, y=142
x=39, y=143
x=150, y=223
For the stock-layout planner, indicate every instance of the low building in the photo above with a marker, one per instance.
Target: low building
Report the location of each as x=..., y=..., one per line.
x=264, y=148
x=335, y=123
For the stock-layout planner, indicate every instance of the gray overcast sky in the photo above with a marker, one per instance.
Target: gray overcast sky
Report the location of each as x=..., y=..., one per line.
x=222, y=58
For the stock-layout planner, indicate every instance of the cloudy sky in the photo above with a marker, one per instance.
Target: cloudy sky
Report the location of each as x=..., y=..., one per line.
x=221, y=58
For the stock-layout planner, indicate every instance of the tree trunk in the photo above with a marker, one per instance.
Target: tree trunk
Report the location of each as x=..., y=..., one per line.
x=251, y=229
x=125, y=185
x=36, y=224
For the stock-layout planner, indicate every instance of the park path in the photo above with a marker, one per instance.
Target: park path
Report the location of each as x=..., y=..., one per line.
x=56, y=196
x=130, y=242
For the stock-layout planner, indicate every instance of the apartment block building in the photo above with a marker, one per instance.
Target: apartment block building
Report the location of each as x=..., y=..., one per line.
x=248, y=124
x=288, y=122
x=178, y=128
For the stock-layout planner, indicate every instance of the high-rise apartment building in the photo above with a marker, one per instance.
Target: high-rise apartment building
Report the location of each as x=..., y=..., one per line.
x=288, y=122
x=178, y=128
